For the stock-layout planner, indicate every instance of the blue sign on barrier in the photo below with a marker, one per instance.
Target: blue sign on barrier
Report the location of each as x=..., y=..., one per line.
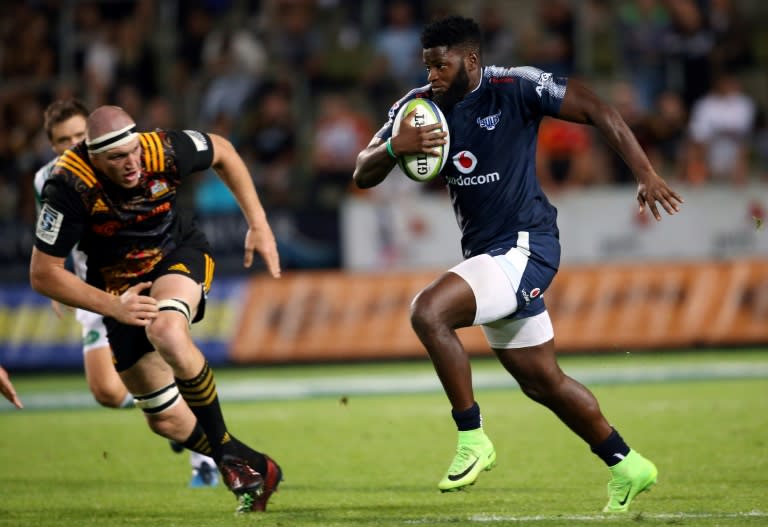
x=32, y=337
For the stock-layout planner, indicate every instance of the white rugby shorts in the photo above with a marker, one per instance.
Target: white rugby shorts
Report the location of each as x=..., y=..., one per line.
x=494, y=280
x=93, y=330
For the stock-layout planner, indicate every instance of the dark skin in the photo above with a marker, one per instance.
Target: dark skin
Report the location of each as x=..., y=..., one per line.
x=448, y=303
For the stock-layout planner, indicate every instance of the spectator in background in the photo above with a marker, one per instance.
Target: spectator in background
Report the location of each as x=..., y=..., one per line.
x=99, y=63
x=294, y=38
x=269, y=145
x=666, y=127
x=625, y=100
x=733, y=36
x=396, y=51
x=341, y=131
x=9, y=185
x=346, y=55
x=640, y=27
x=565, y=156
x=234, y=59
x=549, y=43
x=499, y=39
x=29, y=49
x=24, y=155
x=720, y=133
x=761, y=143
x=134, y=59
x=186, y=73
x=688, y=45
x=7, y=389
x=396, y=45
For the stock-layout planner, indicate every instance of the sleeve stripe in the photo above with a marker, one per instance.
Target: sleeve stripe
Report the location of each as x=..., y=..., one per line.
x=89, y=180
x=149, y=152
x=160, y=153
x=76, y=160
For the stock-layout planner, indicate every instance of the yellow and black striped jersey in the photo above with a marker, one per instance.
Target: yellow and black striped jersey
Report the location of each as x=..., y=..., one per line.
x=123, y=232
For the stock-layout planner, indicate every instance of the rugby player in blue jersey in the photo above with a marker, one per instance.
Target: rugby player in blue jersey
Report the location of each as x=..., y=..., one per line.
x=509, y=240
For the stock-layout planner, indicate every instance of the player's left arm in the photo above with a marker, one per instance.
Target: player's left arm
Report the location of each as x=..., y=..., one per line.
x=581, y=105
x=232, y=170
x=7, y=389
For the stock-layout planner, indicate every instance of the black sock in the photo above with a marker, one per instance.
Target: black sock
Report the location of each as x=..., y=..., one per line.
x=200, y=394
x=612, y=450
x=468, y=419
x=198, y=442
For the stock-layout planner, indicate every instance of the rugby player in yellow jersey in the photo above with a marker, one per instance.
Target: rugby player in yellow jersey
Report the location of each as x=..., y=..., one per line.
x=149, y=270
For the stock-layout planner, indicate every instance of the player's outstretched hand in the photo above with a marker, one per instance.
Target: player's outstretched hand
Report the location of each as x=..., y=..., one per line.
x=7, y=389
x=263, y=241
x=654, y=191
x=134, y=308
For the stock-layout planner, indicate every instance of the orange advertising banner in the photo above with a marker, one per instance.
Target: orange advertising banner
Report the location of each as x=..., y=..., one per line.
x=311, y=316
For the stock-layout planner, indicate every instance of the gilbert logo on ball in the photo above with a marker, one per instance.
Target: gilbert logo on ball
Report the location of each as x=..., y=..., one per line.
x=422, y=167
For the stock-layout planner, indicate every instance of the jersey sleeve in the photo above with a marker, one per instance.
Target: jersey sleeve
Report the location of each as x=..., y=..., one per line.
x=385, y=132
x=61, y=220
x=542, y=93
x=194, y=150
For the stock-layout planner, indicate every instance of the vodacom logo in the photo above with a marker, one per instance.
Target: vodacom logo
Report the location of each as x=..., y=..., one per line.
x=465, y=161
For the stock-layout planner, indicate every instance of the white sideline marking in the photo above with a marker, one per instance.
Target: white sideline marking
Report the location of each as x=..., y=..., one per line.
x=493, y=518
x=300, y=387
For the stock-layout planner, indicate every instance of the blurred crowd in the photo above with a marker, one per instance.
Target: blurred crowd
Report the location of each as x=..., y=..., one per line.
x=300, y=86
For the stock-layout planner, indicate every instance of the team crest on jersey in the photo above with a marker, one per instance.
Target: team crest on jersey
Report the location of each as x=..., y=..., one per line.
x=465, y=161
x=158, y=188
x=490, y=122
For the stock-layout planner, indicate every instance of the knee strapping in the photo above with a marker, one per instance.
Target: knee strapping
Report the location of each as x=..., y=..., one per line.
x=175, y=304
x=158, y=401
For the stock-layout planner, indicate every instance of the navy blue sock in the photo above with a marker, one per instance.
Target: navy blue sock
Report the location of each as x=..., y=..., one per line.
x=468, y=419
x=612, y=450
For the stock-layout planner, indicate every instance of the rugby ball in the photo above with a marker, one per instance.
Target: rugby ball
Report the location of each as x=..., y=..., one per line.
x=422, y=167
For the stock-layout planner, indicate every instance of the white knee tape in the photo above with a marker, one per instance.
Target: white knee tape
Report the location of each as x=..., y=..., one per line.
x=174, y=304
x=158, y=401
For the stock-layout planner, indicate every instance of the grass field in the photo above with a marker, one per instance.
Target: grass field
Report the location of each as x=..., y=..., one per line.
x=364, y=445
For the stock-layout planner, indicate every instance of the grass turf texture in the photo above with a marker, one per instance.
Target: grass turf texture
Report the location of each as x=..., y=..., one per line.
x=375, y=460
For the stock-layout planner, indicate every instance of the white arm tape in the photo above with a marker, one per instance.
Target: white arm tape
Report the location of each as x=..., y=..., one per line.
x=174, y=304
x=158, y=401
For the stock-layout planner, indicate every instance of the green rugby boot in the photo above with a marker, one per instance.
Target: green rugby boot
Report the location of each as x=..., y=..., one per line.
x=631, y=476
x=474, y=454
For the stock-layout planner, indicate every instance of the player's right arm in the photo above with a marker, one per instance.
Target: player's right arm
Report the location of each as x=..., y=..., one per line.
x=59, y=227
x=374, y=163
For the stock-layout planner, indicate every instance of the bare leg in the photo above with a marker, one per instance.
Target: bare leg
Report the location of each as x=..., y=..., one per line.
x=444, y=306
x=103, y=380
x=537, y=372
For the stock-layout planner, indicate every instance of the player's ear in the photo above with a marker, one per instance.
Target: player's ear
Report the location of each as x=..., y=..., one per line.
x=472, y=60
